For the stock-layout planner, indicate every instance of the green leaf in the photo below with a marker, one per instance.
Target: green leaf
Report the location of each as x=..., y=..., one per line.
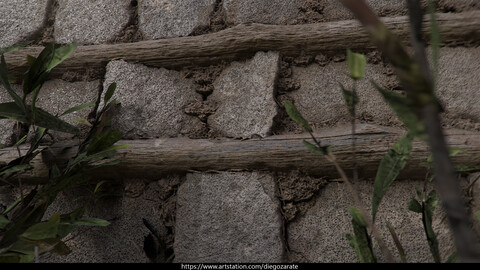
x=316, y=150
x=109, y=93
x=15, y=47
x=10, y=258
x=404, y=111
x=61, y=249
x=467, y=168
x=296, y=116
x=12, y=111
x=356, y=64
x=37, y=74
x=107, y=153
x=477, y=215
x=43, y=230
x=99, y=185
x=3, y=221
x=16, y=169
x=5, y=82
x=27, y=246
x=351, y=99
x=431, y=202
x=390, y=167
x=362, y=243
x=452, y=258
x=20, y=141
x=82, y=121
x=30, y=60
x=48, y=121
x=415, y=206
x=42, y=118
x=104, y=141
x=49, y=57
x=452, y=151
x=91, y=222
x=61, y=53
x=357, y=216
x=12, y=206
x=77, y=108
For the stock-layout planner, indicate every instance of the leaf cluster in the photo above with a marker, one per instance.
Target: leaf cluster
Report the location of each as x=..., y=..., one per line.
x=24, y=232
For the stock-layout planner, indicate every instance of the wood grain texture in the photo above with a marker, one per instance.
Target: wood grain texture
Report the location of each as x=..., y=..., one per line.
x=154, y=158
x=242, y=41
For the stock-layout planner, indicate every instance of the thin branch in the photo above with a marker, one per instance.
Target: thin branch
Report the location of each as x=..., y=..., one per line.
x=420, y=95
x=355, y=193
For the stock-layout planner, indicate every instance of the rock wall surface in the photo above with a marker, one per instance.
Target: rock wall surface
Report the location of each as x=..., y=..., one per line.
x=232, y=216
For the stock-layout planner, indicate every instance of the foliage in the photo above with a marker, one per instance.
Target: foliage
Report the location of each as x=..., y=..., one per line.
x=24, y=231
x=389, y=168
x=425, y=205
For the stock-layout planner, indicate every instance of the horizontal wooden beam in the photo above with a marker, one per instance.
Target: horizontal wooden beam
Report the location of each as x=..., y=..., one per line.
x=155, y=158
x=243, y=41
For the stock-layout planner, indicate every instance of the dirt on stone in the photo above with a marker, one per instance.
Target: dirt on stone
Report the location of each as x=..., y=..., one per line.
x=310, y=11
x=297, y=191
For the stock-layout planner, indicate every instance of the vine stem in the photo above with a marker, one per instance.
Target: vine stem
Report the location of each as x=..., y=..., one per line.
x=354, y=148
x=358, y=201
x=419, y=88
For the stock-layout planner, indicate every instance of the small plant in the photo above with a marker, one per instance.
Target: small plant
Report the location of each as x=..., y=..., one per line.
x=390, y=166
x=24, y=231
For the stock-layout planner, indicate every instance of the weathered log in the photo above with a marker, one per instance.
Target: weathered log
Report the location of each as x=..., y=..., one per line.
x=154, y=158
x=243, y=41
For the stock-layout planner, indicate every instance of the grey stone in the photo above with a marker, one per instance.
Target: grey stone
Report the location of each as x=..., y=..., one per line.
x=245, y=93
x=458, y=82
x=320, y=98
x=266, y=11
x=57, y=96
x=21, y=20
x=6, y=125
x=319, y=235
x=152, y=101
x=93, y=21
x=457, y=5
x=167, y=18
x=122, y=240
x=334, y=10
x=227, y=217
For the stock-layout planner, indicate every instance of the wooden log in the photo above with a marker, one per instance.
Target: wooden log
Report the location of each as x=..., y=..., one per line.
x=243, y=41
x=154, y=158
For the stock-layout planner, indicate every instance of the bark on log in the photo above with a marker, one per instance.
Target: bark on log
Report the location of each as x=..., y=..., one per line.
x=243, y=41
x=154, y=158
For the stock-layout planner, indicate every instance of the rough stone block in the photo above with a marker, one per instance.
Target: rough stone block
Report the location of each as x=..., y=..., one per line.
x=56, y=96
x=93, y=21
x=319, y=235
x=320, y=98
x=122, y=240
x=20, y=20
x=245, y=93
x=267, y=11
x=152, y=101
x=166, y=18
x=458, y=83
x=6, y=125
x=334, y=10
x=228, y=217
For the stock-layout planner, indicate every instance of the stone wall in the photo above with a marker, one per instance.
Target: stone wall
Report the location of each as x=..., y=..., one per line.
x=232, y=216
